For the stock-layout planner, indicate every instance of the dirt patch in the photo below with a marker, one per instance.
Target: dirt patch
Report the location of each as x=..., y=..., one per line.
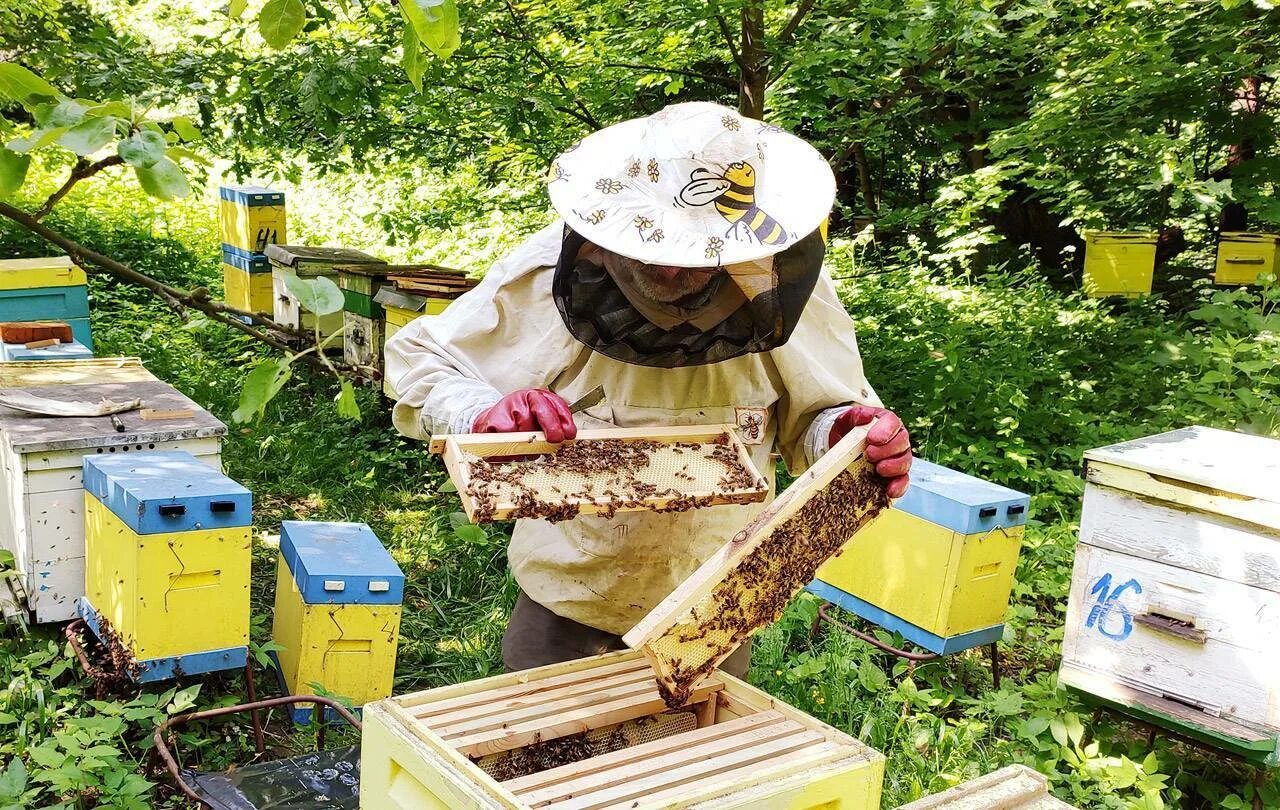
x=755, y=592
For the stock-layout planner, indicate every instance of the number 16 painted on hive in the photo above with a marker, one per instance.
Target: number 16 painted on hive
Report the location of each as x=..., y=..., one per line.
x=1107, y=603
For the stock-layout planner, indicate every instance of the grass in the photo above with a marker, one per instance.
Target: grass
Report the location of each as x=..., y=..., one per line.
x=1004, y=377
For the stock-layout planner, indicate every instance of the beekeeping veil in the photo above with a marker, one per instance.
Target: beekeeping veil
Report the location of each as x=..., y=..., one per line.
x=694, y=185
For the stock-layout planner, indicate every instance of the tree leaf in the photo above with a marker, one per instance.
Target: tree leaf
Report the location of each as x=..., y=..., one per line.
x=89, y=135
x=120, y=109
x=436, y=24
x=186, y=130
x=13, y=171
x=348, y=408
x=19, y=84
x=142, y=149
x=64, y=113
x=164, y=180
x=236, y=8
x=413, y=63
x=36, y=140
x=317, y=295
x=261, y=386
x=280, y=21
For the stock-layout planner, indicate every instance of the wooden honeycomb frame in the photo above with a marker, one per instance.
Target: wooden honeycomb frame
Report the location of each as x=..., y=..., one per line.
x=458, y=450
x=747, y=583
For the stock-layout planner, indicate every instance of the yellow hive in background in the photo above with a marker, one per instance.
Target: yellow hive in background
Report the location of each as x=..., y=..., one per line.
x=1119, y=263
x=337, y=612
x=1243, y=257
x=247, y=291
x=397, y=317
x=251, y=217
x=174, y=593
x=51, y=271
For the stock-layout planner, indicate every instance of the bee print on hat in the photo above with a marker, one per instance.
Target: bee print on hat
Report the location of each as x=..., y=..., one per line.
x=733, y=192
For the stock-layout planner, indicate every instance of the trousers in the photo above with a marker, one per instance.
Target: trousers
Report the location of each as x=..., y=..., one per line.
x=536, y=637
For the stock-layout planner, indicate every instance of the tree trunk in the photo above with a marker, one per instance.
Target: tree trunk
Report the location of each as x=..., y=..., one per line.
x=1246, y=104
x=755, y=66
x=864, y=178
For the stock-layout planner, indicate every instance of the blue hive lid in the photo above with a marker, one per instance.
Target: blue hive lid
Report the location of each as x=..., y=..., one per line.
x=165, y=491
x=340, y=563
x=74, y=350
x=251, y=195
x=961, y=502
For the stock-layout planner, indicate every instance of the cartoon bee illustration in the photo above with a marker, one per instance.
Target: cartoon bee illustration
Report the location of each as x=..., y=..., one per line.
x=733, y=193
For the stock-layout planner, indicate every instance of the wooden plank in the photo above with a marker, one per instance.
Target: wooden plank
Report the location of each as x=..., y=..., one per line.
x=1184, y=538
x=722, y=770
x=576, y=721
x=1015, y=787
x=427, y=709
x=663, y=759
x=1231, y=672
x=502, y=707
x=528, y=785
x=550, y=709
x=1205, y=499
x=742, y=698
x=533, y=442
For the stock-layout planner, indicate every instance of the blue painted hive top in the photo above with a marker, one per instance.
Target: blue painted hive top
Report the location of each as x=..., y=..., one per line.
x=251, y=195
x=961, y=502
x=165, y=491
x=340, y=563
x=75, y=350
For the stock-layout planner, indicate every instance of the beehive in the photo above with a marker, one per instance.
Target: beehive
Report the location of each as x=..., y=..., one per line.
x=1015, y=787
x=1244, y=257
x=740, y=749
x=246, y=281
x=41, y=482
x=938, y=566
x=73, y=350
x=1175, y=595
x=746, y=584
x=251, y=217
x=309, y=262
x=600, y=471
x=1118, y=264
x=46, y=289
x=362, y=316
x=337, y=612
x=167, y=553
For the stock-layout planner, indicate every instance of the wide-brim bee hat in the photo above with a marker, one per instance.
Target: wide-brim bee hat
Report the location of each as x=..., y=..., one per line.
x=693, y=185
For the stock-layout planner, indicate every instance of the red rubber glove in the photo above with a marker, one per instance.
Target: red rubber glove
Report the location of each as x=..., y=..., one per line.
x=528, y=409
x=888, y=445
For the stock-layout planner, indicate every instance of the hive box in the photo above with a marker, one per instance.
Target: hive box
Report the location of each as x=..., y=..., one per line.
x=74, y=350
x=47, y=289
x=1175, y=596
x=1119, y=264
x=1243, y=257
x=729, y=746
x=399, y=309
x=362, y=316
x=337, y=612
x=167, y=554
x=246, y=280
x=309, y=262
x=938, y=566
x=41, y=480
x=251, y=217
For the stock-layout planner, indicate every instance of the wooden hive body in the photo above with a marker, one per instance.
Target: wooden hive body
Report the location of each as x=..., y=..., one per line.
x=746, y=584
x=1175, y=595
x=1118, y=263
x=337, y=612
x=747, y=750
x=41, y=477
x=245, y=286
x=251, y=217
x=1243, y=257
x=938, y=565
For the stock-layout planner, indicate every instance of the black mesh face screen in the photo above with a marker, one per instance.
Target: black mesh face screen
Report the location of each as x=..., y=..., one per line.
x=599, y=315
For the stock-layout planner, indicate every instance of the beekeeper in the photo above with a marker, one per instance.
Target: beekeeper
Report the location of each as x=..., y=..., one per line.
x=685, y=277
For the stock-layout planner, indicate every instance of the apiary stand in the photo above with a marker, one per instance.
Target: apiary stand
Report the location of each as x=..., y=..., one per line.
x=747, y=750
x=41, y=480
x=1176, y=588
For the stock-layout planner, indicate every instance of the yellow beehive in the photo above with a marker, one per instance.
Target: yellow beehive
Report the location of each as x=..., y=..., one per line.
x=174, y=593
x=51, y=271
x=1243, y=257
x=729, y=746
x=1119, y=263
x=337, y=612
x=398, y=317
x=251, y=217
x=938, y=566
x=250, y=292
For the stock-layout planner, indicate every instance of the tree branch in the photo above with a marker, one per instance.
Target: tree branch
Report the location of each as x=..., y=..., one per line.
x=83, y=169
x=176, y=297
x=728, y=35
x=584, y=114
x=723, y=81
x=788, y=33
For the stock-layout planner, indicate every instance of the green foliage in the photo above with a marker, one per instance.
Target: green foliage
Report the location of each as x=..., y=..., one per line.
x=280, y=21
